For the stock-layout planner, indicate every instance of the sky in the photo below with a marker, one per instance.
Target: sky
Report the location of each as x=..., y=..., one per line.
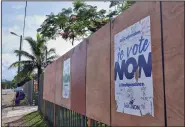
x=12, y=21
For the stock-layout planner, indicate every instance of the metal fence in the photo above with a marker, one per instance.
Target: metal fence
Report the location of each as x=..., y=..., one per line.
x=31, y=95
x=60, y=116
x=49, y=112
x=65, y=117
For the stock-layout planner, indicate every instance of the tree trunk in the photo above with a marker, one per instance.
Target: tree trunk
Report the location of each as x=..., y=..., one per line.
x=38, y=81
x=38, y=77
x=72, y=41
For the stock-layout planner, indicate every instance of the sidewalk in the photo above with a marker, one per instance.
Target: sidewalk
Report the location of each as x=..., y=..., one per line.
x=9, y=115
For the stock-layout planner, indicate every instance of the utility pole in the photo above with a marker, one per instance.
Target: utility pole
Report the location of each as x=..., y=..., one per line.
x=20, y=48
x=21, y=40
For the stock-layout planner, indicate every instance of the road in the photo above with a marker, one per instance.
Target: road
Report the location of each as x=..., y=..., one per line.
x=7, y=97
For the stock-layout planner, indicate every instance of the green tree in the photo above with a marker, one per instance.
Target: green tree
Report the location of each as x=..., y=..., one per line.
x=80, y=21
x=119, y=7
x=36, y=60
x=7, y=84
x=72, y=24
x=22, y=76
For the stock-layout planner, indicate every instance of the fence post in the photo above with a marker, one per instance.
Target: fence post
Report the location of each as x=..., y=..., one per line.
x=44, y=108
x=89, y=122
x=54, y=116
x=84, y=122
x=31, y=86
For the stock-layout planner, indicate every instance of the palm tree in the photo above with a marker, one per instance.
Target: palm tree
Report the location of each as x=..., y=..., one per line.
x=39, y=58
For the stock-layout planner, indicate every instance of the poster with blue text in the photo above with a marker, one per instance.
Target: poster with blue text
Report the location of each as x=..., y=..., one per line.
x=66, y=78
x=133, y=69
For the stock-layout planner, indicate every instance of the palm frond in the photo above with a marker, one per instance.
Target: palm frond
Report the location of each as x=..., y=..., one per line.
x=52, y=57
x=24, y=53
x=51, y=51
x=22, y=63
x=49, y=62
x=40, y=42
x=36, y=58
x=25, y=72
x=32, y=44
x=27, y=69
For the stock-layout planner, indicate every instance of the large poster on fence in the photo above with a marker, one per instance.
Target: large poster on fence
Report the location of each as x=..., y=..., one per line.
x=133, y=69
x=66, y=78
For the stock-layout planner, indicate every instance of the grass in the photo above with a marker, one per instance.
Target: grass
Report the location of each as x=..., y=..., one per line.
x=34, y=119
x=24, y=102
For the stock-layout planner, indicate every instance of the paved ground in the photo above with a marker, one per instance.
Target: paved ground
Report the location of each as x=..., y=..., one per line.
x=17, y=111
x=7, y=97
x=9, y=114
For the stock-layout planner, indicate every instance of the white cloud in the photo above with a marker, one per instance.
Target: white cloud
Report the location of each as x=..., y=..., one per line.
x=61, y=45
x=7, y=60
x=20, y=17
x=31, y=21
x=8, y=74
x=38, y=19
x=9, y=42
x=14, y=28
x=100, y=4
x=18, y=6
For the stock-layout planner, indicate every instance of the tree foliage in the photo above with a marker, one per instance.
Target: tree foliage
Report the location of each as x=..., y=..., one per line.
x=21, y=76
x=81, y=21
x=71, y=24
x=74, y=23
x=119, y=7
x=7, y=84
x=36, y=60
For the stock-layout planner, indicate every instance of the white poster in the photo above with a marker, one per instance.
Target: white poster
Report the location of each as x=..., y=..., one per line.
x=66, y=78
x=133, y=69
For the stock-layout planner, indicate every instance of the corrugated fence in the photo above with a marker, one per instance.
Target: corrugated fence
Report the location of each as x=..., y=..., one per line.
x=30, y=92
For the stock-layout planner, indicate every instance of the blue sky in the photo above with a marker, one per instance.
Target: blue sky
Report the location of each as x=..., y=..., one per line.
x=12, y=21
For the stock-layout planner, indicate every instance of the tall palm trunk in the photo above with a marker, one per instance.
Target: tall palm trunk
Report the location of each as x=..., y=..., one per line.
x=38, y=77
x=38, y=81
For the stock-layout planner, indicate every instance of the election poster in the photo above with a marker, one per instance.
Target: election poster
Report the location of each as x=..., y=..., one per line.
x=133, y=69
x=66, y=78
